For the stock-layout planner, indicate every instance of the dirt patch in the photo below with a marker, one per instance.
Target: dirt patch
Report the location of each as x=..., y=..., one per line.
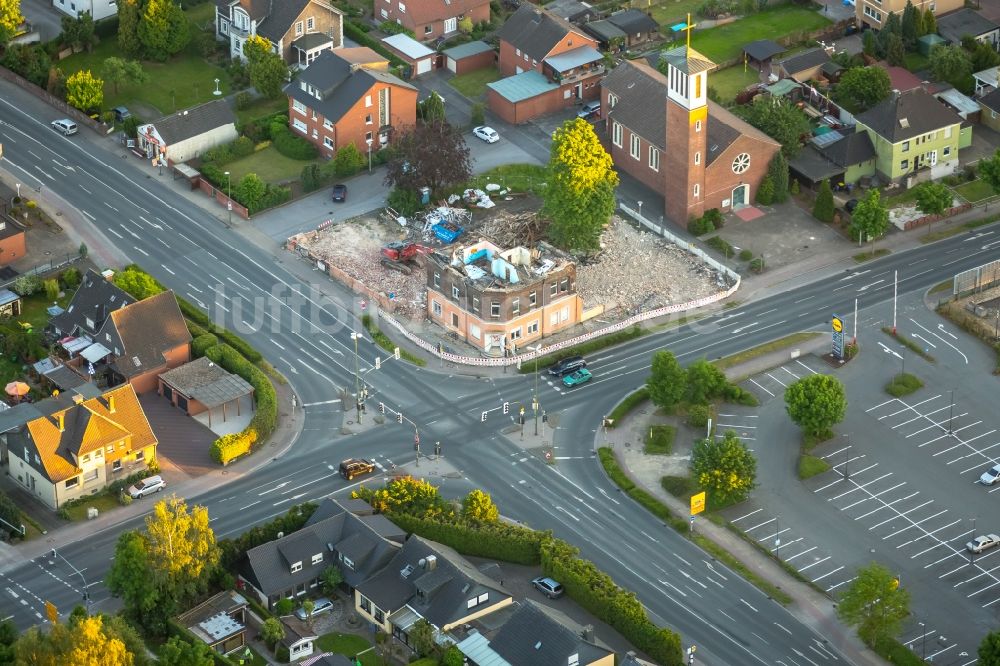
x=647, y=470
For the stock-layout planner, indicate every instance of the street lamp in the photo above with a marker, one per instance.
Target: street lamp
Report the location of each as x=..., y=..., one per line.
x=86, y=592
x=847, y=458
x=369, y=142
x=923, y=642
x=229, y=195
x=534, y=396
x=18, y=186
x=358, y=400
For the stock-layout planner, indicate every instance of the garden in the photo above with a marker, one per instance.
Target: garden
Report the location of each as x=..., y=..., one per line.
x=473, y=84
x=725, y=43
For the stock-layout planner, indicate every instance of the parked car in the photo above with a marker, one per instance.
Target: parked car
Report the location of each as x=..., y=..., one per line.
x=121, y=113
x=851, y=205
x=567, y=365
x=581, y=376
x=321, y=605
x=148, y=486
x=353, y=467
x=589, y=109
x=550, y=588
x=990, y=476
x=487, y=134
x=66, y=126
x=981, y=543
x=340, y=192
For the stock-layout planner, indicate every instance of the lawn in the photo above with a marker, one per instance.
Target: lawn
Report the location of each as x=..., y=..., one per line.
x=915, y=61
x=727, y=83
x=974, y=191
x=660, y=440
x=270, y=165
x=102, y=502
x=517, y=177
x=182, y=82
x=473, y=84
x=726, y=42
x=903, y=385
x=33, y=312
x=349, y=645
x=670, y=12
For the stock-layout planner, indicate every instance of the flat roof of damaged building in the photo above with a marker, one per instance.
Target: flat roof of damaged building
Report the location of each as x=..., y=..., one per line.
x=489, y=266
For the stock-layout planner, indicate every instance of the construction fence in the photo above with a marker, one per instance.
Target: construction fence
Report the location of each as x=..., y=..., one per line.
x=976, y=279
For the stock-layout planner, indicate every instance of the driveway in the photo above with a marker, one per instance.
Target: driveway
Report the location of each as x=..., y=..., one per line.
x=43, y=17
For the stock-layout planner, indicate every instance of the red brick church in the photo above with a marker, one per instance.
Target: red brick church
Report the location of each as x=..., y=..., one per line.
x=666, y=134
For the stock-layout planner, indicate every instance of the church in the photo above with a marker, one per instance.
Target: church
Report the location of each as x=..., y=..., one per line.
x=665, y=132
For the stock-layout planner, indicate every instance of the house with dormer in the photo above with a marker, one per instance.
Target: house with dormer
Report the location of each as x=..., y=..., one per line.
x=77, y=446
x=299, y=30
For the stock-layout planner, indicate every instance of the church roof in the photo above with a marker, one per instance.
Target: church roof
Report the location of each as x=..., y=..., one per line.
x=724, y=128
x=688, y=60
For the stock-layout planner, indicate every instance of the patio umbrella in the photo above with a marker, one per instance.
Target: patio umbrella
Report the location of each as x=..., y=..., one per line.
x=17, y=389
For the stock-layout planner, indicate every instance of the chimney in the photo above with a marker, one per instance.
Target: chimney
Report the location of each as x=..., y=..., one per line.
x=111, y=404
x=587, y=633
x=62, y=422
x=77, y=399
x=431, y=562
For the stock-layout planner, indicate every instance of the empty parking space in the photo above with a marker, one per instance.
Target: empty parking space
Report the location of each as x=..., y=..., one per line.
x=744, y=425
x=772, y=383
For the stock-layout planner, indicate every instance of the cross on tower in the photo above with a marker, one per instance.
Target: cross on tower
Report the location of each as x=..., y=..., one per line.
x=688, y=27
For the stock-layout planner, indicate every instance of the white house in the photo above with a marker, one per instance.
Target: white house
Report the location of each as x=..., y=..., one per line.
x=187, y=134
x=98, y=9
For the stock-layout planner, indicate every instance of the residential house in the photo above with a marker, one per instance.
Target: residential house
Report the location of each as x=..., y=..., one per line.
x=802, y=66
x=362, y=56
x=299, y=30
x=187, y=134
x=499, y=300
x=968, y=23
x=914, y=135
x=13, y=245
x=469, y=57
x=334, y=103
x=665, y=132
x=535, y=634
x=77, y=447
x=873, y=13
x=98, y=9
x=990, y=105
x=638, y=26
x=609, y=36
x=298, y=639
x=203, y=386
x=429, y=581
x=548, y=63
x=432, y=19
x=573, y=11
x=417, y=56
x=836, y=158
x=220, y=622
x=290, y=567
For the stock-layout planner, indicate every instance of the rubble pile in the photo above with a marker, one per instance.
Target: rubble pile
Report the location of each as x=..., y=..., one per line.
x=637, y=271
x=512, y=229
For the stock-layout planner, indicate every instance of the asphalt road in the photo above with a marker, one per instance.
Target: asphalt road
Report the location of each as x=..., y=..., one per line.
x=307, y=336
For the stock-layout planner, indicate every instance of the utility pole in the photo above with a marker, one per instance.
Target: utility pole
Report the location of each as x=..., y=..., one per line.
x=854, y=339
x=535, y=405
x=777, y=537
x=416, y=443
x=923, y=642
x=357, y=376
x=895, y=285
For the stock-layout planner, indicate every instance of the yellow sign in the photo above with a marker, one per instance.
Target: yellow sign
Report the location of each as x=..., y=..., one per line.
x=51, y=612
x=837, y=325
x=697, y=503
x=894, y=585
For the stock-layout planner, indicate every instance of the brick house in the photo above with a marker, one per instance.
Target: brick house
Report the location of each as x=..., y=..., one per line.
x=334, y=103
x=501, y=300
x=432, y=19
x=694, y=152
x=12, y=238
x=548, y=65
x=299, y=30
x=873, y=13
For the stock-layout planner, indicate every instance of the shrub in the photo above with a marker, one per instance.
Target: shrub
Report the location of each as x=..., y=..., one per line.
x=756, y=265
x=70, y=278
x=503, y=541
x=903, y=384
x=765, y=192
x=233, y=550
x=347, y=161
x=393, y=28
x=630, y=402
x=699, y=227
x=823, y=209
x=311, y=178
x=698, y=416
x=405, y=202
x=25, y=285
x=290, y=145
x=746, y=255
x=243, y=100
x=794, y=187
x=51, y=289
x=720, y=244
x=227, y=448
x=266, y=416
x=203, y=342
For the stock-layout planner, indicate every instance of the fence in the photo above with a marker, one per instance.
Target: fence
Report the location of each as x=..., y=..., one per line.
x=976, y=279
x=47, y=267
x=79, y=116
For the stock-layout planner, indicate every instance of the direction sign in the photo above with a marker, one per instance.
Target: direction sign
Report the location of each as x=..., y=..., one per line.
x=697, y=503
x=51, y=612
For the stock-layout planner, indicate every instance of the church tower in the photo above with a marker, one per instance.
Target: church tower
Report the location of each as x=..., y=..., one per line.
x=687, y=132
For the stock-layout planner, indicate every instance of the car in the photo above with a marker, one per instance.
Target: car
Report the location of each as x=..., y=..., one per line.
x=581, y=376
x=550, y=588
x=981, y=543
x=121, y=113
x=589, y=109
x=148, y=486
x=851, y=205
x=66, y=126
x=487, y=134
x=340, y=192
x=353, y=467
x=567, y=365
x=990, y=476
x=320, y=606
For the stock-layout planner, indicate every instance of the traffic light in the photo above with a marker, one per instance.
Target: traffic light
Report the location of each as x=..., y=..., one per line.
x=483, y=418
x=506, y=408
x=440, y=348
x=381, y=407
x=437, y=448
x=395, y=353
x=399, y=417
x=378, y=362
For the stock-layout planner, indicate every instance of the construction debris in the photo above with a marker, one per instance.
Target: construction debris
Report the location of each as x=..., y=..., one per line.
x=513, y=229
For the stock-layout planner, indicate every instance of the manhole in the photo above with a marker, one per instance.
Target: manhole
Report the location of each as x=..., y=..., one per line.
x=350, y=423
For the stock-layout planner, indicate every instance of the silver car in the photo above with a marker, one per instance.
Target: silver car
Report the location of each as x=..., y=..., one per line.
x=990, y=476
x=320, y=606
x=151, y=484
x=66, y=126
x=981, y=543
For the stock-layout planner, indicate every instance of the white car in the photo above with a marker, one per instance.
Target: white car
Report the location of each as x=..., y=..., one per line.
x=149, y=485
x=981, y=543
x=487, y=134
x=65, y=126
x=320, y=606
x=990, y=476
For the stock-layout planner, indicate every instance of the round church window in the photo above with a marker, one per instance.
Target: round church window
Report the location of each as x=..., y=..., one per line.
x=741, y=163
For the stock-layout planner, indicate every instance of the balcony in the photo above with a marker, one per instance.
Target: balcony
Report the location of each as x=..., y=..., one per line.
x=577, y=74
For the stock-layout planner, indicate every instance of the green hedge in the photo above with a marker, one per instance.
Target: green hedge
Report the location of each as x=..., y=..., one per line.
x=291, y=145
x=584, y=348
x=203, y=342
x=631, y=401
x=229, y=447
x=639, y=495
x=510, y=543
x=198, y=317
x=383, y=341
x=232, y=551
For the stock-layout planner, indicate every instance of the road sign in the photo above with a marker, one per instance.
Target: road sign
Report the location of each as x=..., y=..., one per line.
x=837, y=324
x=51, y=612
x=697, y=503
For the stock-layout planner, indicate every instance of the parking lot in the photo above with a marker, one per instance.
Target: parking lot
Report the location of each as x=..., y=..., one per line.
x=772, y=383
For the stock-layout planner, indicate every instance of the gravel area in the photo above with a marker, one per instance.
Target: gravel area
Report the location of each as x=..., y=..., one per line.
x=637, y=269
x=900, y=215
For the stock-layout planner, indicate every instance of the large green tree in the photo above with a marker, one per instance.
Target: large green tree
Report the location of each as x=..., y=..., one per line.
x=431, y=110
x=983, y=55
x=895, y=52
x=724, y=468
x=421, y=637
x=10, y=19
x=11, y=516
x=117, y=71
x=909, y=24
x=870, y=219
x=779, y=119
x=136, y=282
x=580, y=196
x=950, y=63
x=704, y=382
x=434, y=155
x=989, y=649
x=478, y=507
x=87, y=642
x=862, y=88
x=8, y=637
x=816, y=403
x=163, y=29
x=823, y=208
x=989, y=170
x=78, y=31
x=129, y=15
x=933, y=198
x=268, y=72
x=667, y=382
x=179, y=652
x=875, y=603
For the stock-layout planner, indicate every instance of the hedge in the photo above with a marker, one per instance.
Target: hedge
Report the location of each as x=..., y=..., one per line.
x=234, y=550
x=290, y=145
x=630, y=402
x=198, y=317
x=584, y=348
x=203, y=342
x=229, y=447
x=175, y=629
x=510, y=543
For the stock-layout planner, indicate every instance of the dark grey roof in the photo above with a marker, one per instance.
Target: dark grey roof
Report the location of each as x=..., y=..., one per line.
x=813, y=165
x=312, y=40
x=763, y=49
x=331, y=507
x=337, y=86
x=195, y=121
x=385, y=528
x=534, y=30
x=533, y=636
x=18, y=415
x=852, y=149
x=299, y=546
x=95, y=299
x=634, y=21
x=279, y=17
x=720, y=136
x=571, y=10
x=831, y=68
x=65, y=378
x=295, y=631
x=804, y=60
x=956, y=25
x=356, y=547
x=991, y=101
x=333, y=660
x=638, y=88
x=906, y=115
x=603, y=30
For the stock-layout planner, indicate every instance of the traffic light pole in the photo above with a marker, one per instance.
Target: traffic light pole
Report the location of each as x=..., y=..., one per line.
x=86, y=591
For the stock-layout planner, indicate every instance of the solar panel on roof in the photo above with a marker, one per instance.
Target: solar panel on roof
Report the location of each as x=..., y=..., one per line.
x=824, y=140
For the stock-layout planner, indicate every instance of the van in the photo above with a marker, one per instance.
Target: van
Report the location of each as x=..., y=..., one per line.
x=589, y=109
x=66, y=126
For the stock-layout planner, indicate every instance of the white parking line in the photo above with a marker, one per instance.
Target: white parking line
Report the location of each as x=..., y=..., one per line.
x=921, y=416
x=816, y=580
x=965, y=442
x=776, y=379
x=916, y=524
x=938, y=545
x=806, y=367
x=808, y=550
x=865, y=499
x=858, y=487
x=843, y=582
x=900, y=515
x=932, y=532
x=790, y=372
x=751, y=529
x=887, y=505
x=762, y=388
x=809, y=566
x=746, y=515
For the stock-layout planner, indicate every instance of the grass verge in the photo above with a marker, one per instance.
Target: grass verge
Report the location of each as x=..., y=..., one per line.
x=909, y=344
x=868, y=256
x=954, y=231
x=810, y=466
x=896, y=653
x=660, y=440
x=679, y=486
x=383, y=341
x=947, y=285
x=810, y=441
x=631, y=401
x=903, y=384
x=515, y=177
x=596, y=344
x=776, y=345
x=473, y=84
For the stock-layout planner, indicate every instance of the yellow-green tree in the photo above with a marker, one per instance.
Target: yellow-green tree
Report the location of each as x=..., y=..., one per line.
x=724, y=468
x=10, y=19
x=163, y=29
x=84, y=91
x=580, y=196
x=407, y=495
x=875, y=603
x=478, y=506
x=181, y=544
x=85, y=643
x=268, y=72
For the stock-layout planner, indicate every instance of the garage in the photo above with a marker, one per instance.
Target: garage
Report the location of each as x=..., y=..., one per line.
x=423, y=66
x=469, y=57
x=416, y=55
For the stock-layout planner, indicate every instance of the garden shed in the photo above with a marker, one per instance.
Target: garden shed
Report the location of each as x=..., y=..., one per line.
x=469, y=57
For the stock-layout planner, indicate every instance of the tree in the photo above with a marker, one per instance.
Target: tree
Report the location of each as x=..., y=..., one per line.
x=667, y=380
x=933, y=198
x=348, y=160
x=284, y=606
x=823, y=209
x=816, y=403
x=862, y=88
x=580, y=197
x=78, y=31
x=454, y=657
x=10, y=19
x=8, y=637
x=163, y=29
x=983, y=55
x=779, y=119
x=950, y=63
x=778, y=171
x=704, y=382
x=432, y=155
x=137, y=283
x=895, y=52
x=870, y=218
x=330, y=579
x=421, y=637
x=725, y=468
x=989, y=170
x=989, y=649
x=765, y=192
x=431, y=110
x=11, y=516
x=308, y=606
x=478, y=507
x=250, y=190
x=268, y=72
x=85, y=91
x=129, y=14
x=919, y=26
x=117, y=71
x=875, y=603
x=909, y=24
x=870, y=45
x=130, y=578
x=930, y=22
x=465, y=24
x=87, y=643
x=178, y=652
x=271, y=631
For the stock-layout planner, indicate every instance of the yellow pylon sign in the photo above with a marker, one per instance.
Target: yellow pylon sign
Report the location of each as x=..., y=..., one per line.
x=697, y=503
x=51, y=612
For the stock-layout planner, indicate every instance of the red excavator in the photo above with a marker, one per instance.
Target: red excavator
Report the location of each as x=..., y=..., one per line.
x=401, y=255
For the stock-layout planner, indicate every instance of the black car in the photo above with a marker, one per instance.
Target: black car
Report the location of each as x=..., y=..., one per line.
x=340, y=192
x=851, y=205
x=568, y=365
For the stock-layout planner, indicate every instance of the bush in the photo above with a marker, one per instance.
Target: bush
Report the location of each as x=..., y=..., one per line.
x=25, y=285
x=739, y=395
x=70, y=278
x=698, y=416
x=765, y=192
x=203, y=342
x=746, y=255
x=405, y=202
x=243, y=100
x=660, y=440
x=823, y=209
x=347, y=161
x=312, y=178
x=679, y=486
x=756, y=265
x=234, y=550
x=699, y=227
x=393, y=28
x=229, y=447
x=903, y=384
x=290, y=145
x=51, y=289
x=720, y=244
x=631, y=401
x=503, y=541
